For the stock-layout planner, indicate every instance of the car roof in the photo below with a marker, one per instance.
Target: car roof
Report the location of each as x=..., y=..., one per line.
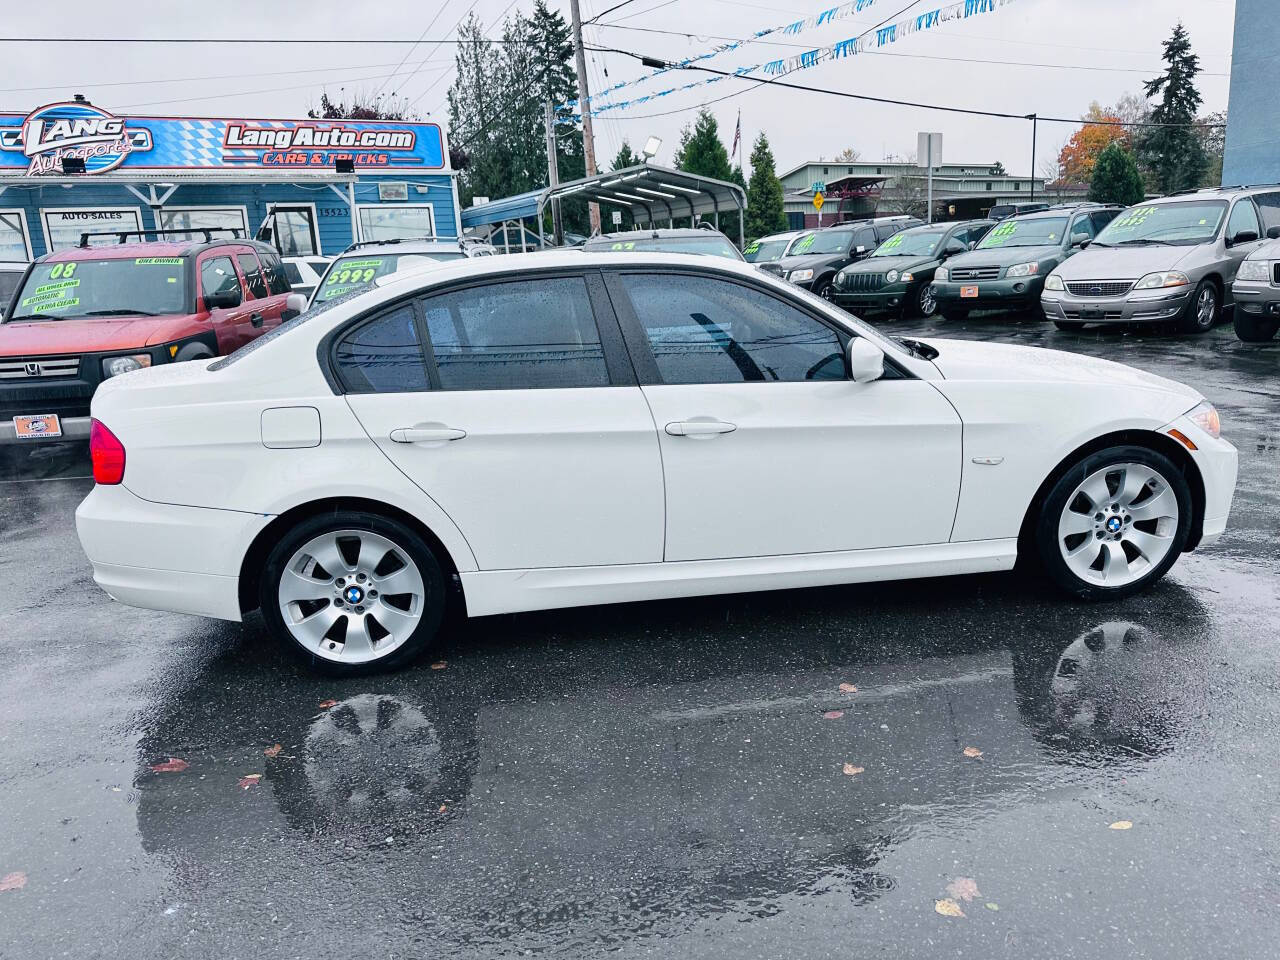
x=408, y=245
x=151, y=248
x=784, y=236
x=658, y=233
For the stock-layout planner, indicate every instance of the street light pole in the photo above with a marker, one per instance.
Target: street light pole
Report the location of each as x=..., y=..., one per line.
x=584, y=104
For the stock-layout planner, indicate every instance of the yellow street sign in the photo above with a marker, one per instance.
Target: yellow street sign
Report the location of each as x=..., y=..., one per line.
x=818, y=200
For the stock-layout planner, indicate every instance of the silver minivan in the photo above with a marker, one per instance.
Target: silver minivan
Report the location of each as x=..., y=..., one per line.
x=1170, y=260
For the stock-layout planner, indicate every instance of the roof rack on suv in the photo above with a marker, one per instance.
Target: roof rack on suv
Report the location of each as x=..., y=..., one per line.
x=381, y=243
x=124, y=235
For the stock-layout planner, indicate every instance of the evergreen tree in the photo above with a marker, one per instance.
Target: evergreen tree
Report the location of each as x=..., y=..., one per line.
x=1115, y=176
x=1175, y=154
x=765, y=214
x=625, y=157
x=701, y=151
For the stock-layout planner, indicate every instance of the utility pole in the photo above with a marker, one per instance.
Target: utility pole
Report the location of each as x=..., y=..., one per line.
x=553, y=177
x=584, y=104
x=1035, y=120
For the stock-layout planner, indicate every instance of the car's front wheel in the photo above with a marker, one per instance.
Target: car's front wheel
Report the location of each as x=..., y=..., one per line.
x=353, y=593
x=824, y=289
x=1253, y=329
x=926, y=304
x=1114, y=523
x=1202, y=311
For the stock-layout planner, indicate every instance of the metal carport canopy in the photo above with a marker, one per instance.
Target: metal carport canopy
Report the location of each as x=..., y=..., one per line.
x=650, y=192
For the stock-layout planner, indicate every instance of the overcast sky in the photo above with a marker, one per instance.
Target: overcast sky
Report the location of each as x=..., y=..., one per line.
x=1082, y=50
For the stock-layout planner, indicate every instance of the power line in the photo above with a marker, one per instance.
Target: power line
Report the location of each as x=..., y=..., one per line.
x=239, y=41
x=605, y=13
x=443, y=4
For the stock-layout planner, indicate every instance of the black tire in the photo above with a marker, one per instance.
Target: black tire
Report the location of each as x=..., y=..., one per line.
x=955, y=314
x=1070, y=326
x=1254, y=329
x=1191, y=320
x=193, y=351
x=1045, y=529
x=404, y=538
x=823, y=288
x=921, y=303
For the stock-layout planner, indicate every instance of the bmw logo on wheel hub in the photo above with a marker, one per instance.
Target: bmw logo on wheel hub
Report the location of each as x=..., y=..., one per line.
x=353, y=594
x=1113, y=525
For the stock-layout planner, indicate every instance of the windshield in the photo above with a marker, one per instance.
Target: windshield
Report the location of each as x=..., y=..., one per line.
x=715, y=245
x=910, y=243
x=765, y=251
x=132, y=286
x=1182, y=223
x=828, y=241
x=1028, y=232
x=361, y=269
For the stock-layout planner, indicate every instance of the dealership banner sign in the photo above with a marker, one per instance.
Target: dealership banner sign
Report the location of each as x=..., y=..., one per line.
x=37, y=143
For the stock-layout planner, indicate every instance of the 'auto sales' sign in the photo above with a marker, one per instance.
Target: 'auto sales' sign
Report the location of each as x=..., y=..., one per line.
x=41, y=140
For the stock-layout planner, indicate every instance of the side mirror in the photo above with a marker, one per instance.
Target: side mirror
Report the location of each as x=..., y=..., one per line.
x=1083, y=242
x=954, y=248
x=295, y=304
x=863, y=360
x=1244, y=236
x=222, y=299
x=973, y=245
x=1273, y=233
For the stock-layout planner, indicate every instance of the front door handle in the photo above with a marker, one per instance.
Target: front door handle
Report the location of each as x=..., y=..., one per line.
x=256, y=319
x=700, y=427
x=426, y=433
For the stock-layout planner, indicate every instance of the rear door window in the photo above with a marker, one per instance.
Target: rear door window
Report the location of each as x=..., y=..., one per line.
x=254, y=279
x=1269, y=207
x=383, y=355
x=273, y=270
x=1101, y=218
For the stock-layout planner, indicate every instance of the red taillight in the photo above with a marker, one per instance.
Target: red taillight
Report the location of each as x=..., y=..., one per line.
x=107, y=453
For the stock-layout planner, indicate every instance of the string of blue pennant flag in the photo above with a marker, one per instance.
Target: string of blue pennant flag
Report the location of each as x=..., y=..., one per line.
x=870, y=41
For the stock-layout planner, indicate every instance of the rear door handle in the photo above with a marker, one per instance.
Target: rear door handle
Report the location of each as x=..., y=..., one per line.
x=256, y=319
x=700, y=427
x=426, y=433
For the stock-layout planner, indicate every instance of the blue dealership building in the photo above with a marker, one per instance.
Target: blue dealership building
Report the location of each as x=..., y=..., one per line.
x=73, y=167
x=1253, y=114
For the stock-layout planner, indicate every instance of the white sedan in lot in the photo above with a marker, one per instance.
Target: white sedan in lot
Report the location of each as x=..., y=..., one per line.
x=571, y=428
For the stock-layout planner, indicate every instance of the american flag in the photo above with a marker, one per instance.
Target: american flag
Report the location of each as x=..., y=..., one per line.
x=737, y=132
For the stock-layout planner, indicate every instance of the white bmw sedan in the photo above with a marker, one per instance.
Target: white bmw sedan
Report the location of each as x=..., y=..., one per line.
x=566, y=429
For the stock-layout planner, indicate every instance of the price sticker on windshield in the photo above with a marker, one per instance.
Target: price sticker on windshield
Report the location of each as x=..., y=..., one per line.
x=892, y=243
x=1001, y=233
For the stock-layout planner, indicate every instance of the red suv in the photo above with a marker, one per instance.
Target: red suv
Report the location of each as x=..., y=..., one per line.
x=80, y=316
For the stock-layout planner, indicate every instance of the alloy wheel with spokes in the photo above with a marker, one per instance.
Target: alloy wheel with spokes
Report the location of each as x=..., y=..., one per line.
x=1115, y=522
x=1202, y=311
x=928, y=303
x=356, y=595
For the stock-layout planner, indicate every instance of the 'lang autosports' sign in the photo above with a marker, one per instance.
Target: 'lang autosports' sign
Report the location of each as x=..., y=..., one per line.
x=37, y=143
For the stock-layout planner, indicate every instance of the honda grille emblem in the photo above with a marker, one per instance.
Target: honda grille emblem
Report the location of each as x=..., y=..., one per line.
x=33, y=370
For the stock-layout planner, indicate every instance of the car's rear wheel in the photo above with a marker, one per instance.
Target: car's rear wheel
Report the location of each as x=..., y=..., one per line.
x=1201, y=312
x=353, y=593
x=1252, y=329
x=1114, y=523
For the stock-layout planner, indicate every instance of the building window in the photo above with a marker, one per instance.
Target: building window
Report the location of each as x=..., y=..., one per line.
x=63, y=226
x=1017, y=185
x=15, y=242
x=398, y=222
x=989, y=186
x=879, y=170
x=219, y=218
x=825, y=171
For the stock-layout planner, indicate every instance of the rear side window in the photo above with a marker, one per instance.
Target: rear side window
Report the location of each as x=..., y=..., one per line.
x=217, y=275
x=1269, y=207
x=254, y=279
x=273, y=269
x=1102, y=217
x=383, y=355
x=865, y=238
x=532, y=334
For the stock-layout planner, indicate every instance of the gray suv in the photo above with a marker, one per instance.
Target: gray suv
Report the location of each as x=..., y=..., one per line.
x=1170, y=260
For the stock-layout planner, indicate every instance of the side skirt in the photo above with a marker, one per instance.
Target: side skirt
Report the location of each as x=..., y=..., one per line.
x=511, y=591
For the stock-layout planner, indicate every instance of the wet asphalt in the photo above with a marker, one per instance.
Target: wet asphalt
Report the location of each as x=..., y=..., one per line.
x=666, y=779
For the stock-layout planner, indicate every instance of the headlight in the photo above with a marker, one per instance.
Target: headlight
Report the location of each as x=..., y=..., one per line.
x=1205, y=416
x=907, y=276
x=114, y=366
x=840, y=278
x=1154, y=281
x=798, y=276
x=1022, y=269
x=1054, y=282
x=942, y=273
x=1254, y=270
x=891, y=276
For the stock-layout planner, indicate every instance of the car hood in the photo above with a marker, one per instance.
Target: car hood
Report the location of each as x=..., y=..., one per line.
x=1121, y=263
x=1003, y=256
x=808, y=261
x=90, y=335
x=885, y=264
x=976, y=360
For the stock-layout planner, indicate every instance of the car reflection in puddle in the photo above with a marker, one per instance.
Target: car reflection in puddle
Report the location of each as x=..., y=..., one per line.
x=618, y=787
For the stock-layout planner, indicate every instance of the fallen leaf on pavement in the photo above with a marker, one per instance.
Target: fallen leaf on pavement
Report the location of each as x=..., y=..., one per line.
x=439, y=665
x=1122, y=825
x=972, y=752
x=172, y=765
x=992, y=906
x=963, y=888
x=443, y=808
x=848, y=688
x=273, y=750
x=948, y=908
x=851, y=771
x=326, y=704
x=13, y=881
x=833, y=715
x=248, y=781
